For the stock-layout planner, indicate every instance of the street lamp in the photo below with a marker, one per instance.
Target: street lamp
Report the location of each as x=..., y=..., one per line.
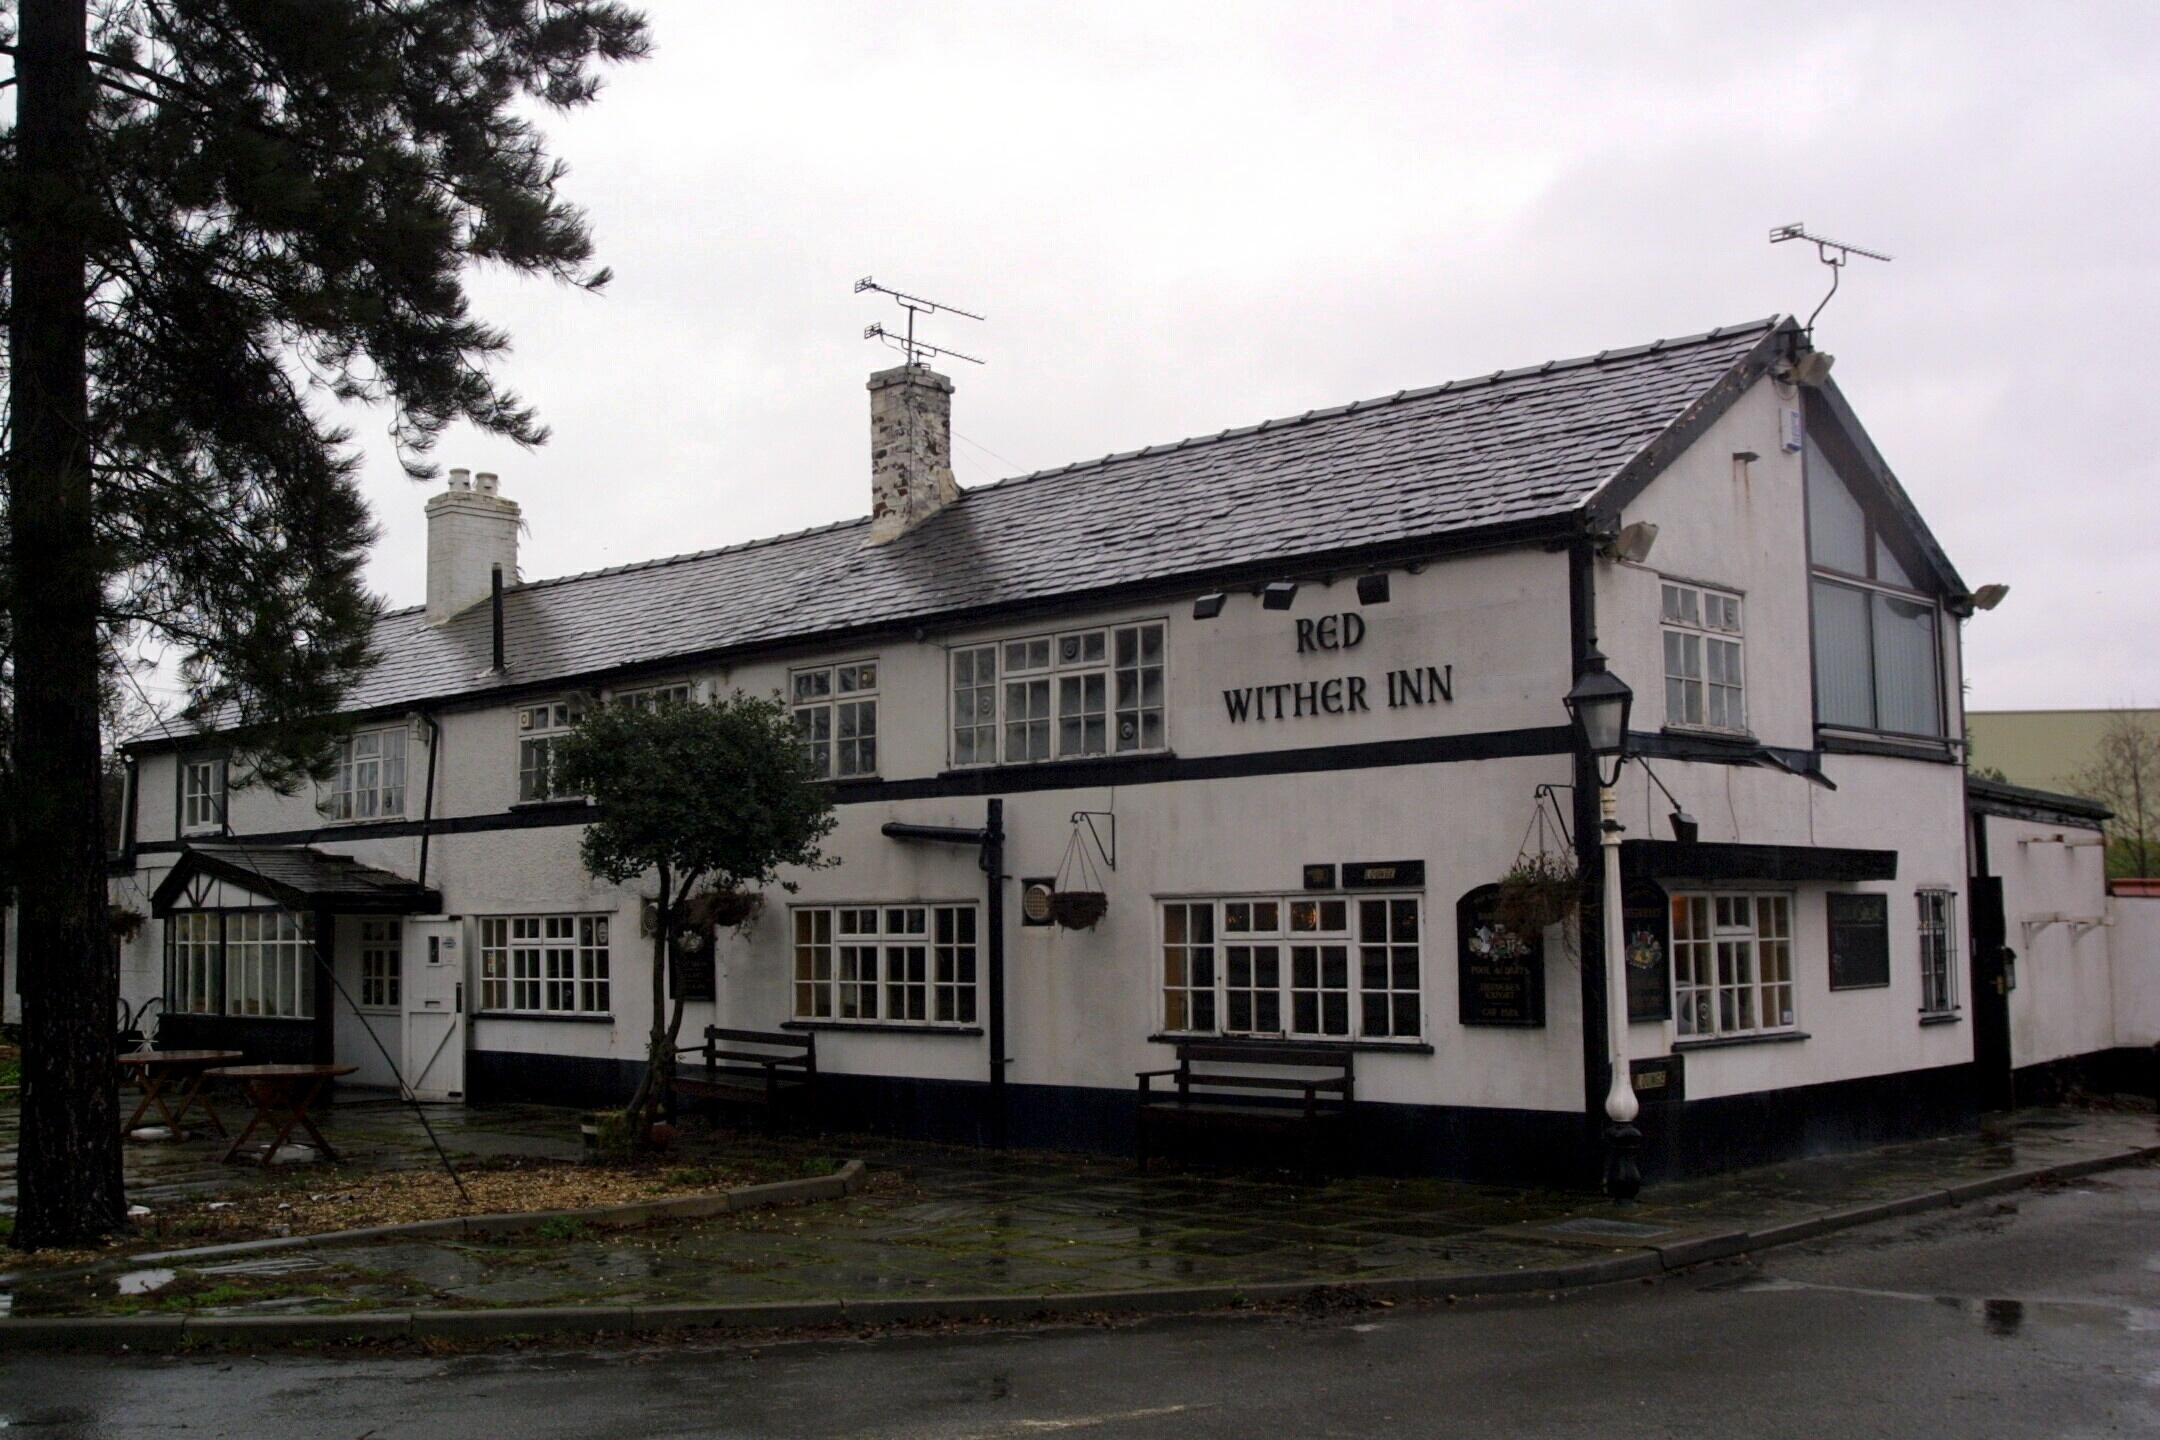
x=1599, y=705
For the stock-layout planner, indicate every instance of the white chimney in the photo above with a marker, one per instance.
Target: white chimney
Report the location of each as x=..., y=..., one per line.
x=911, y=475
x=471, y=529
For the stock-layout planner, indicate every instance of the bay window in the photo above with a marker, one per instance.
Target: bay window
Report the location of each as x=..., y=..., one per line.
x=1064, y=696
x=1304, y=966
x=257, y=963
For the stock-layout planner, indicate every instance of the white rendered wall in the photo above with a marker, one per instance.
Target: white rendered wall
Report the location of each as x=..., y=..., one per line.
x=2134, y=949
x=2064, y=1001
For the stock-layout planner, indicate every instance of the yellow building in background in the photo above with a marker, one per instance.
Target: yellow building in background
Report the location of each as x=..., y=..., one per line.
x=2045, y=749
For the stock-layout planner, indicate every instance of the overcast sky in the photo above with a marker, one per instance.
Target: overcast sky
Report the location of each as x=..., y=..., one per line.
x=1179, y=217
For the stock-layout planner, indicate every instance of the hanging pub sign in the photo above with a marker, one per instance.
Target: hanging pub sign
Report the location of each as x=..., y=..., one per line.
x=1499, y=974
x=1859, y=940
x=1646, y=932
x=691, y=975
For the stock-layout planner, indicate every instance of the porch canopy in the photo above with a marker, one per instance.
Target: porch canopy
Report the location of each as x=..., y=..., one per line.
x=292, y=877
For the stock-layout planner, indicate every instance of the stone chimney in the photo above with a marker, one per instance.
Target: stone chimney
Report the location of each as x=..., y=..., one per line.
x=471, y=529
x=911, y=475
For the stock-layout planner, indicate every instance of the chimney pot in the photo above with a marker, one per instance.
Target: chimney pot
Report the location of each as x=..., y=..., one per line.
x=472, y=534
x=484, y=481
x=911, y=476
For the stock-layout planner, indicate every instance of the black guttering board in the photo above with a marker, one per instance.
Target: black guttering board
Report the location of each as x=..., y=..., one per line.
x=1005, y=780
x=2043, y=807
x=1669, y=859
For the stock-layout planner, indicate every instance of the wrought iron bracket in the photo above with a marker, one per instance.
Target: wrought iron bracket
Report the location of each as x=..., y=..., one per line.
x=1089, y=817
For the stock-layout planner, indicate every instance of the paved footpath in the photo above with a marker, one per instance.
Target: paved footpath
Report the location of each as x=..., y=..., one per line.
x=2035, y=1313
x=951, y=1227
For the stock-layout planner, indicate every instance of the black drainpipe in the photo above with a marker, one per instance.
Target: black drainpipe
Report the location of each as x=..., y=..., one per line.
x=495, y=601
x=991, y=839
x=1589, y=860
x=427, y=802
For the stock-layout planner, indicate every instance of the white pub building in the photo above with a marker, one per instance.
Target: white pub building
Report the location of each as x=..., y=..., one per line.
x=1290, y=696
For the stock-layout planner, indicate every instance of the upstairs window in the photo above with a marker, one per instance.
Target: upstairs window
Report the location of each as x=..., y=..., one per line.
x=202, y=796
x=1059, y=697
x=369, y=781
x=1878, y=653
x=541, y=729
x=652, y=697
x=836, y=710
x=1702, y=658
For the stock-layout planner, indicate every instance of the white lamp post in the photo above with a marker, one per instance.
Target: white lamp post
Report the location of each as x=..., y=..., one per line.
x=1599, y=704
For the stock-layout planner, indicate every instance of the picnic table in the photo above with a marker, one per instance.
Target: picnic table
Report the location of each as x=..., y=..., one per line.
x=282, y=1096
x=157, y=1071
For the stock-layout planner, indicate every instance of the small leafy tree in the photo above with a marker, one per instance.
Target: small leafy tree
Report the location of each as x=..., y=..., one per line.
x=719, y=795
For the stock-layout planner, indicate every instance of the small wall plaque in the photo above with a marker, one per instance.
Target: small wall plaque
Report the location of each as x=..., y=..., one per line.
x=1320, y=877
x=1383, y=874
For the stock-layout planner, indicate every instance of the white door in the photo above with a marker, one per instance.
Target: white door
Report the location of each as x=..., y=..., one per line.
x=434, y=1063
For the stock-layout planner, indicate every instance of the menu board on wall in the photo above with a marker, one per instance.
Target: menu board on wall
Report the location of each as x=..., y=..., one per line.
x=1499, y=975
x=1646, y=931
x=1859, y=940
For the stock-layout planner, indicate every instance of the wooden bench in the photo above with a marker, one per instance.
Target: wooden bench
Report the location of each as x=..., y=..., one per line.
x=750, y=1067
x=1216, y=1086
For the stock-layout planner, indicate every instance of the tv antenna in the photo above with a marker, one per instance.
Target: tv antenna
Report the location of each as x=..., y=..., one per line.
x=907, y=344
x=1824, y=248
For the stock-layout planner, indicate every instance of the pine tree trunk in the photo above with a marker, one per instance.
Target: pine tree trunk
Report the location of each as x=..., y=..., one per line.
x=68, y=1171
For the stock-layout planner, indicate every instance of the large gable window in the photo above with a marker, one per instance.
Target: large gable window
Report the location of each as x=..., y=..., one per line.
x=1059, y=697
x=1878, y=650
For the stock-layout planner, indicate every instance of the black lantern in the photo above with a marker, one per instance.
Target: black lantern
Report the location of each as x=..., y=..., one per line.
x=1599, y=705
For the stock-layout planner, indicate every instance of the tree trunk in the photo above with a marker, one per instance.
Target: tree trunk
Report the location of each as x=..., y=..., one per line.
x=68, y=1174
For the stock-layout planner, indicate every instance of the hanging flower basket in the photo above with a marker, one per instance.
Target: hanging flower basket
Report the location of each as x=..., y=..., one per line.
x=729, y=909
x=1539, y=890
x=1078, y=909
x=125, y=922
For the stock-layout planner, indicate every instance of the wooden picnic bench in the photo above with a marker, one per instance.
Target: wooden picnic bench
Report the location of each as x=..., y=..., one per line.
x=771, y=1068
x=1217, y=1087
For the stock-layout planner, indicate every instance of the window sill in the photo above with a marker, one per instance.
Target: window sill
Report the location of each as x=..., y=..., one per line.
x=569, y=802
x=881, y=1027
x=1360, y=1047
x=1897, y=747
x=1941, y=1017
x=544, y=1016
x=336, y=821
x=1727, y=1042
x=1076, y=762
x=1712, y=733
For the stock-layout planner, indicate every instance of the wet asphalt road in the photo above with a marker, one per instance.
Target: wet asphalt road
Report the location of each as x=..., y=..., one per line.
x=2035, y=1315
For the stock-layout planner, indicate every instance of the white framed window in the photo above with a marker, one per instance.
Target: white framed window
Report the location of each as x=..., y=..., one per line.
x=544, y=964
x=886, y=964
x=382, y=964
x=652, y=697
x=202, y=796
x=1059, y=697
x=1938, y=952
x=1319, y=967
x=1732, y=963
x=369, y=781
x=192, y=944
x=269, y=964
x=1701, y=629
x=836, y=710
x=541, y=729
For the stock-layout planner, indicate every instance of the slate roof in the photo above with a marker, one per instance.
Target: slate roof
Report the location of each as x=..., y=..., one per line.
x=299, y=879
x=1512, y=447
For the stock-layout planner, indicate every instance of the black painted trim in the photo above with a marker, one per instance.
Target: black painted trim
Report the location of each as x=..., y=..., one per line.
x=1605, y=507
x=1942, y=1017
x=1734, y=1042
x=1932, y=752
x=1014, y=779
x=872, y=1027
x=1669, y=859
x=1844, y=431
x=1348, y=1047
x=2022, y=802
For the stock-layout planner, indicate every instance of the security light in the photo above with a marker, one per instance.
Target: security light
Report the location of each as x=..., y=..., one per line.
x=1987, y=597
x=1633, y=542
x=1278, y=595
x=1208, y=606
x=1372, y=589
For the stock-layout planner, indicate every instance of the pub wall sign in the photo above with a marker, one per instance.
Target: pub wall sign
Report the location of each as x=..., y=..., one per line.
x=1398, y=689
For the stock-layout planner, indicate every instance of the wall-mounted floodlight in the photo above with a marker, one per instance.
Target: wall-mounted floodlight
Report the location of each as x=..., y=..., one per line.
x=1987, y=597
x=1372, y=589
x=1208, y=606
x=1278, y=594
x=1633, y=542
x=1811, y=368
